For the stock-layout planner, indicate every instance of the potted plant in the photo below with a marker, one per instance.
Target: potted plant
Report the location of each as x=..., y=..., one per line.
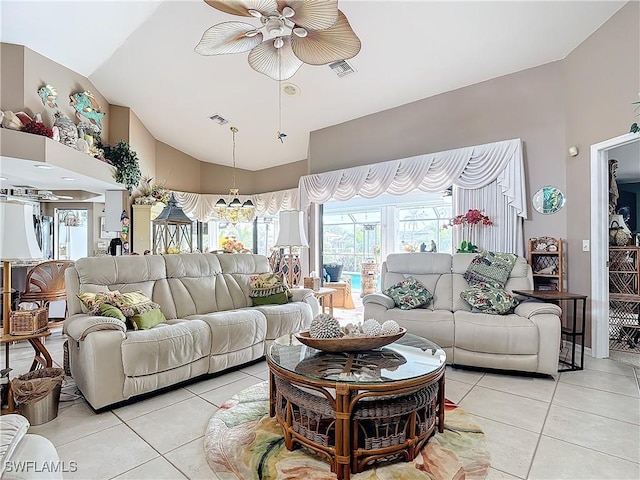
x=468, y=221
x=126, y=162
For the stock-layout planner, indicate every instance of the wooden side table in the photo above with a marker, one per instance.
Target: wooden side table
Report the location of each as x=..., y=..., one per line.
x=42, y=357
x=342, y=298
x=570, y=331
x=324, y=294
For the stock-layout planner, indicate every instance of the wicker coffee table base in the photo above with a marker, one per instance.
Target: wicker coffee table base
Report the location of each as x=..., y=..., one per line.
x=355, y=426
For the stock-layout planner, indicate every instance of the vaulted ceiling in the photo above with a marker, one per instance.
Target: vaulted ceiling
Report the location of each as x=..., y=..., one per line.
x=141, y=55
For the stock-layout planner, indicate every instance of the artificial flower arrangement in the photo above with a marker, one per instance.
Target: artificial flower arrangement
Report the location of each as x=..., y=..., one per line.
x=468, y=221
x=152, y=193
x=410, y=247
x=230, y=245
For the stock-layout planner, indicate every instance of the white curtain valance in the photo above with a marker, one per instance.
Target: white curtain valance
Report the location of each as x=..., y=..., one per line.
x=200, y=205
x=469, y=168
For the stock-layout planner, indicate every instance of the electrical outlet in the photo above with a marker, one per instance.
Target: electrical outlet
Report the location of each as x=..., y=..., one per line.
x=585, y=245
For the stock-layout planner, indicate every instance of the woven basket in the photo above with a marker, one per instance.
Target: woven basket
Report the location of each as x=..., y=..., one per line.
x=27, y=322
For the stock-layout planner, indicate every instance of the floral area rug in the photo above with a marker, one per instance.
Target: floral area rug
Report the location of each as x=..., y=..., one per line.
x=243, y=442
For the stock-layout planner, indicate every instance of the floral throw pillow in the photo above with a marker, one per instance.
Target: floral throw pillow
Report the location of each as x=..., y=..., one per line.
x=409, y=294
x=490, y=268
x=267, y=284
x=488, y=298
x=92, y=301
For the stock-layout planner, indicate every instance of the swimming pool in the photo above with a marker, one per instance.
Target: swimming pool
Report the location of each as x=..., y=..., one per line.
x=356, y=280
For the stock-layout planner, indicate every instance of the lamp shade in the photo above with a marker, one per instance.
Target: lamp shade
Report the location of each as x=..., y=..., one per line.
x=291, y=232
x=18, y=236
x=621, y=223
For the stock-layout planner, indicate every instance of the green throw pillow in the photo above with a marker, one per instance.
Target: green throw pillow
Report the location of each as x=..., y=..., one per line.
x=275, y=299
x=489, y=299
x=107, y=310
x=149, y=319
x=409, y=294
x=490, y=268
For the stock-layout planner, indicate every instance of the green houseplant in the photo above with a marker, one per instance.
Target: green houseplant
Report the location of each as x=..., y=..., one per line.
x=125, y=160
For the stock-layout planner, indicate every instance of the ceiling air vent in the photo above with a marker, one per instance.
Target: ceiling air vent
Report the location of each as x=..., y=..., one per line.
x=342, y=68
x=219, y=119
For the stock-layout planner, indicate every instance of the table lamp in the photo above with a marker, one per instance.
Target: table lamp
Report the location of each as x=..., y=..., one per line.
x=17, y=243
x=291, y=234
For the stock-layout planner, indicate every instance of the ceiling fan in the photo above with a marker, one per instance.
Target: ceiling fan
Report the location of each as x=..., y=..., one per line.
x=314, y=32
x=34, y=194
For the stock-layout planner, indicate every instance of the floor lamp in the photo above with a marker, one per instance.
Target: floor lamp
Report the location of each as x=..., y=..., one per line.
x=17, y=243
x=291, y=235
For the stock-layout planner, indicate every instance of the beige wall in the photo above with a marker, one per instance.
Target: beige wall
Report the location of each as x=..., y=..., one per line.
x=11, y=77
x=601, y=80
x=282, y=177
x=180, y=171
x=528, y=105
x=144, y=144
x=119, y=124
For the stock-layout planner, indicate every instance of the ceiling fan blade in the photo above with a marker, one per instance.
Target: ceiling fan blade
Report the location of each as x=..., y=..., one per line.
x=277, y=63
x=312, y=14
x=242, y=7
x=228, y=37
x=320, y=47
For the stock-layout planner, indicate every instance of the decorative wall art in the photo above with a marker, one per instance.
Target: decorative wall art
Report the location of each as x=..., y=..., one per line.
x=86, y=106
x=49, y=96
x=548, y=200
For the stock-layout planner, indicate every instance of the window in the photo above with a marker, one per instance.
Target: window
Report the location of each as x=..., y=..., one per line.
x=422, y=227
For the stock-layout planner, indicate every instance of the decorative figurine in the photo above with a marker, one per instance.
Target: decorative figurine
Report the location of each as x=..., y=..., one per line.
x=49, y=96
x=67, y=129
x=86, y=106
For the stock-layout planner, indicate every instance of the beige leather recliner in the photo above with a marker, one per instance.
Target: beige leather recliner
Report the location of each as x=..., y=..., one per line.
x=527, y=340
x=211, y=323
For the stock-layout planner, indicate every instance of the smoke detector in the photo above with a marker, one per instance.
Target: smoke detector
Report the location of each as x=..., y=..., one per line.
x=290, y=89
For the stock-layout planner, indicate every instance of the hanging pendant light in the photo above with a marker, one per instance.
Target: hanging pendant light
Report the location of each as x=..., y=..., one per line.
x=233, y=210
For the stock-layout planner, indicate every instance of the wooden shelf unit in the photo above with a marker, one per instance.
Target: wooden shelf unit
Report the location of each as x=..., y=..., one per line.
x=546, y=253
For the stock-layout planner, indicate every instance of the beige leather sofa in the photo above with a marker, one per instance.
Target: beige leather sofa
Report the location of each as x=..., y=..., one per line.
x=211, y=324
x=527, y=340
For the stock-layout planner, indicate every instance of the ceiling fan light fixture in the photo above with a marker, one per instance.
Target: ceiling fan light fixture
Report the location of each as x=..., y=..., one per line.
x=300, y=32
x=288, y=12
x=275, y=27
x=278, y=42
x=254, y=13
x=251, y=33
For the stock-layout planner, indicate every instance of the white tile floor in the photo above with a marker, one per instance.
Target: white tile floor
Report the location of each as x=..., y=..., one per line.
x=582, y=425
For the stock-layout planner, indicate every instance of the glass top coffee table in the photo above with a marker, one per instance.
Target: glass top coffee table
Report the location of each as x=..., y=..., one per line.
x=358, y=409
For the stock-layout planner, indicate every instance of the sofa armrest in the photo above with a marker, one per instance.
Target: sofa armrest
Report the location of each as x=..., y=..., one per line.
x=532, y=307
x=80, y=325
x=379, y=299
x=12, y=429
x=306, y=295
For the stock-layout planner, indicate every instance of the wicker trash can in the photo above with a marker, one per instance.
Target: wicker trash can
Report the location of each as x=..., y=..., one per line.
x=37, y=394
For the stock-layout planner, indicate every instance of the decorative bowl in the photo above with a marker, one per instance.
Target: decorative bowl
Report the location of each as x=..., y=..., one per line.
x=349, y=344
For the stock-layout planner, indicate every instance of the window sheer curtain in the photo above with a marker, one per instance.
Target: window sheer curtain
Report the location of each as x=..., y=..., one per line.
x=201, y=206
x=489, y=177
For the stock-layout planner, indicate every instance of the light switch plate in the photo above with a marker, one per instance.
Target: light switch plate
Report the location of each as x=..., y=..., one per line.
x=585, y=245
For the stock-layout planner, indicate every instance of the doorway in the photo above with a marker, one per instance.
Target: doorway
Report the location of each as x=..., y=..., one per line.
x=71, y=233
x=600, y=153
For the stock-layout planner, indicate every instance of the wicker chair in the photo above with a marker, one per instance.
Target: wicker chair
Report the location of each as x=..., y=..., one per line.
x=45, y=283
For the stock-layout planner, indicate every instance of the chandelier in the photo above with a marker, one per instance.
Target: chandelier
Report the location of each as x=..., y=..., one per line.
x=233, y=210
